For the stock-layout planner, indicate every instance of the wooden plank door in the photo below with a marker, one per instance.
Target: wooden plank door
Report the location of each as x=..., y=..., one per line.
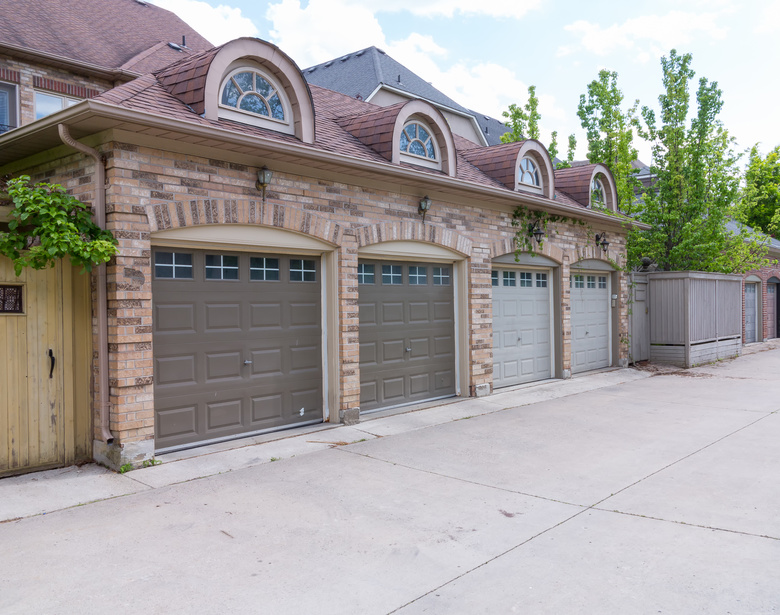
x=32, y=369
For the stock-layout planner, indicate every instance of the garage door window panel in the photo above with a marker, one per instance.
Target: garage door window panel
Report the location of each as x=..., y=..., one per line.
x=366, y=274
x=392, y=274
x=441, y=276
x=541, y=280
x=418, y=276
x=262, y=269
x=303, y=270
x=510, y=278
x=173, y=265
x=221, y=267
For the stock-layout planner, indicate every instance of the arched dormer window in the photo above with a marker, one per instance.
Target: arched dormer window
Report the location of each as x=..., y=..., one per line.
x=250, y=95
x=528, y=174
x=417, y=145
x=597, y=193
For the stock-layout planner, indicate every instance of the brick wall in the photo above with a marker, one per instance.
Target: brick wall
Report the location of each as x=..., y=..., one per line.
x=152, y=190
x=30, y=77
x=764, y=274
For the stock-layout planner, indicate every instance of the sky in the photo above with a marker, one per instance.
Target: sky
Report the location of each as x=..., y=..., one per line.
x=485, y=54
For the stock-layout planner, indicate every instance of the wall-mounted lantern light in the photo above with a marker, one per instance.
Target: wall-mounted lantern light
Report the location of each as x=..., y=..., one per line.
x=425, y=205
x=601, y=240
x=264, y=177
x=536, y=230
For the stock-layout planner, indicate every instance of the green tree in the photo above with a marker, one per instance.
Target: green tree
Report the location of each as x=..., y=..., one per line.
x=610, y=132
x=760, y=205
x=48, y=224
x=696, y=183
x=524, y=124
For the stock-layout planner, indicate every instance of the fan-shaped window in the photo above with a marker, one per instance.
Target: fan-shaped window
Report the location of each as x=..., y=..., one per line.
x=597, y=194
x=417, y=140
x=251, y=91
x=529, y=173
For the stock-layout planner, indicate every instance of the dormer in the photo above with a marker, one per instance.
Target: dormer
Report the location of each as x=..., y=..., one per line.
x=591, y=185
x=414, y=133
x=522, y=166
x=246, y=80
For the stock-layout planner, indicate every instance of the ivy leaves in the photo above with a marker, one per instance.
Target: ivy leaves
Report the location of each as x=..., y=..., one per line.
x=48, y=224
x=524, y=220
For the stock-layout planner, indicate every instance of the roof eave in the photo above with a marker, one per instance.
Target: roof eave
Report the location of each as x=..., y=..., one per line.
x=91, y=109
x=58, y=61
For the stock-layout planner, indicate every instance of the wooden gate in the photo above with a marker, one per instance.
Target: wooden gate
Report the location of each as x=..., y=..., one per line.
x=639, y=321
x=45, y=351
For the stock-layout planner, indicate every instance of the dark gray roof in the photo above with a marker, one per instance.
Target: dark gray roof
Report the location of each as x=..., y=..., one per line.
x=735, y=227
x=358, y=74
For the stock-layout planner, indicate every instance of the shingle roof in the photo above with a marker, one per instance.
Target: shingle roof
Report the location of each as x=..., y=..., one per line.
x=358, y=74
x=575, y=182
x=111, y=34
x=344, y=125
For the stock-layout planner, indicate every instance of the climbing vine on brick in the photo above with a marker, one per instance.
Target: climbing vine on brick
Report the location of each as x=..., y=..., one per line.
x=48, y=224
x=523, y=219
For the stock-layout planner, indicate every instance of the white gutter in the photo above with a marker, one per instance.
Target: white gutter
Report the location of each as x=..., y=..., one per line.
x=102, y=298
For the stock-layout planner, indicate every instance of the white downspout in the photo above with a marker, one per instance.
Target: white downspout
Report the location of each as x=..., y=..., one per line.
x=102, y=295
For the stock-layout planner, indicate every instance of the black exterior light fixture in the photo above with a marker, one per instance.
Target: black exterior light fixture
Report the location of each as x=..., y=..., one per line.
x=535, y=229
x=264, y=177
x=425, y=205
x=601, y=240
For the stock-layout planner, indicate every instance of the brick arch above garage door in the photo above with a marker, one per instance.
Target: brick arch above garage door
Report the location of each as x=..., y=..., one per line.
x=180, y=214
x=413, y=231
x=507, y=246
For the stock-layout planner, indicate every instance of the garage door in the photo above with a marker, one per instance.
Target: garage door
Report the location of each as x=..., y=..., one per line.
x=751, y=312
x=590, y=321
x=771, y=310
x=407, y=332
x=237, y=344
x=521, y=326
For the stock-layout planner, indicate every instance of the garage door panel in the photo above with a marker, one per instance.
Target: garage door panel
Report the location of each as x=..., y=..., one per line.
x=521, y=328
x=419, y=312
x=393, y=388
x=445, y=381
x=265, y=316
x=223, y=365
x=443, y=312
x=223, y=414
x=273, y=324
x=265, y=408
x=177, y=422
x=175, y=371
x=414, y=313
x=175, y=318
x=392, y=313
x=419, y=383
x=221, y=317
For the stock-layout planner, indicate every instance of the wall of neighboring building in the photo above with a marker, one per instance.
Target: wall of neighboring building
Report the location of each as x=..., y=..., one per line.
x=765, y=273
x=31, y=77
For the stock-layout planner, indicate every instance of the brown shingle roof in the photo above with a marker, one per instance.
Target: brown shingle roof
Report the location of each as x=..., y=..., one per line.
x=186, y=79
x=575, y=182
x=105, y=33
x=497, y=161
x=375, y=127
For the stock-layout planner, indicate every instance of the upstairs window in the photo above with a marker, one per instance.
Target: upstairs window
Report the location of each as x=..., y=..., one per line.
x=418, y=145
x=248, y=95
x=7, y=107
x=528, y=175
x=46, y=104
x=597, y=192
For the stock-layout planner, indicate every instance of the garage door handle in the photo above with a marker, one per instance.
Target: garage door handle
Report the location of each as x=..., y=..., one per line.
x=409, y=349
x=51, y=356
x=247, y=362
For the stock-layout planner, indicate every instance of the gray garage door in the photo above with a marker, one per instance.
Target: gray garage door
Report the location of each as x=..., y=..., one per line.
x=771, y=310
x=237, y=344
x=751, y=313
x=521, y=326
x=590, y=321
x=407, y=332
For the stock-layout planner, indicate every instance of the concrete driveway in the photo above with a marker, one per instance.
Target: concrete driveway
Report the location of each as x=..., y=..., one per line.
x=611, y=493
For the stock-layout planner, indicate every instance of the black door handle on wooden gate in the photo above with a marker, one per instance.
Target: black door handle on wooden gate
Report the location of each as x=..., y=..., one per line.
x=51, y=356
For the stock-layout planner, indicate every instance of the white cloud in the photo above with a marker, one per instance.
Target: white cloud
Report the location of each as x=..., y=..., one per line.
x=770, y=18
x=219, y=24
x=448, y=8
x=648, y=34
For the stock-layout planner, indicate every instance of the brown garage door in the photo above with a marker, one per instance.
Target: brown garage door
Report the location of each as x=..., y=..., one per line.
x=237, y=344
x=407, y=332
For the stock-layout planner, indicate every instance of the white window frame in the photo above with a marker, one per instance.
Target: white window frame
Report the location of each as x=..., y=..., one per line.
x=537, y=168
x=424, y=161
x=13, y=105
x=247, y=117
x=67, y=101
